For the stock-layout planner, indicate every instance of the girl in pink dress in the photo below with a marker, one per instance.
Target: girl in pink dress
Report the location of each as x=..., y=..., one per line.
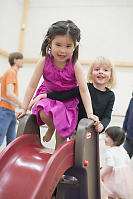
x=116, y=175
x=61, y=71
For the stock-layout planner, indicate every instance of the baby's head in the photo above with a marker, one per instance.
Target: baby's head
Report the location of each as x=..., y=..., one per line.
x=100, y=62
x=61, y=28
x=117, y=135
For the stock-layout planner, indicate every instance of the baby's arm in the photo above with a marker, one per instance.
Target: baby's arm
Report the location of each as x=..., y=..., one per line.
x=31, y=88
x=108, y=164
x=84, y=92
x=104, y=171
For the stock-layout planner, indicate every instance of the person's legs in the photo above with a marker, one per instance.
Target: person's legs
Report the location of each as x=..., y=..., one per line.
x=51, y=128
x=59, y=140
x=47, y=119
x=128, y=145
x=11, y=132
x=5, y=120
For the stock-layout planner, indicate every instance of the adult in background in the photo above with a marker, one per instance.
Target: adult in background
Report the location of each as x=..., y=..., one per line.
x=9, y=98
x=128, y=127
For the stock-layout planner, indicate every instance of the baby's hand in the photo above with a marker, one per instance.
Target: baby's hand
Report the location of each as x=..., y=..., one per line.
x=95, y=118
x=99, y=127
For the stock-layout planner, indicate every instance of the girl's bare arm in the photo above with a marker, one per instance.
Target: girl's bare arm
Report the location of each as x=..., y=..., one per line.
x=84, y=92
x=104, y=171
x=31, y=87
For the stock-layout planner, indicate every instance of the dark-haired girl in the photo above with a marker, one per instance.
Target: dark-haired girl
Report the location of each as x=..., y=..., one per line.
x=61, y=71
x=116, y=175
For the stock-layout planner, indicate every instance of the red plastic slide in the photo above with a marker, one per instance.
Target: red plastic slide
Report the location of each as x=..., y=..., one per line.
x=30, y=171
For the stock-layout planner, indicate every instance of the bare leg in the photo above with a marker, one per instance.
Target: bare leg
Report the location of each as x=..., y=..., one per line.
x=47, y=119
x=59, y=140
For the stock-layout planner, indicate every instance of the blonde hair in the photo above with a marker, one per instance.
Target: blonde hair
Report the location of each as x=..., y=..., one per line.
x=103, y=60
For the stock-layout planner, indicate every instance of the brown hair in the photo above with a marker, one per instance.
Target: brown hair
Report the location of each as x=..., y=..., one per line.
x=62, y=28
x=117, y=134
x=14, y=55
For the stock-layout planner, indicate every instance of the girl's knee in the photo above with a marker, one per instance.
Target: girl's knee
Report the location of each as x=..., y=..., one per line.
x=43, y=116
x=47, y=119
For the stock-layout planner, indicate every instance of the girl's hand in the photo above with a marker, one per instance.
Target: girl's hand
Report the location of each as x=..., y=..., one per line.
x=20, y=113
x=34, y=102
x=99, y=127
x=95, y=118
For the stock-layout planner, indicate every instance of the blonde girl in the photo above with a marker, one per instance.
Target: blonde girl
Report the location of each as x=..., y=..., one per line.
x=101, y=79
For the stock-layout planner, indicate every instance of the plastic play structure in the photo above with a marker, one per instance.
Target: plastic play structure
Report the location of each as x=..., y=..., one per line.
x=28, y=170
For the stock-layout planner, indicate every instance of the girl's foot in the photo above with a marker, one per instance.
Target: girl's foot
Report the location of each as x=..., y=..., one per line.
x=48, y=135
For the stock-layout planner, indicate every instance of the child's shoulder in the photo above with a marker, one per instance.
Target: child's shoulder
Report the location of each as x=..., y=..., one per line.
x=116, y=149
x=78, y=68
x=77, y=64
x=40, y=63
x=109, y=91
x=112, y=150
x=110, y=94
x=42, y=60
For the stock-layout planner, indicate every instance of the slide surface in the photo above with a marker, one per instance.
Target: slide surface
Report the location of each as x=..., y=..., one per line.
x=28, y=170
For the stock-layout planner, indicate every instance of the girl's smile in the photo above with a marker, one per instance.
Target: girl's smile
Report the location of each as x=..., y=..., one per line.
x=101, y=75
x=62, y=47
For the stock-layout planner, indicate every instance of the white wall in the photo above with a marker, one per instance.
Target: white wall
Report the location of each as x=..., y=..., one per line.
x=106, y=29
x=10, y=20
x=106, y=26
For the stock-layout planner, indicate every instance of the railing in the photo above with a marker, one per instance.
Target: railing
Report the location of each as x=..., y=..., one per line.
x=83, y=62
